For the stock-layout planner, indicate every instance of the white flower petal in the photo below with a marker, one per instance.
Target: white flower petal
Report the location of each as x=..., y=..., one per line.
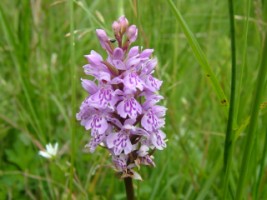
x=44, y=154
x=51, y=151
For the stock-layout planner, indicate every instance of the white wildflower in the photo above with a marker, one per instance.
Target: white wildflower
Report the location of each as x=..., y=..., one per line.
x=51, y=151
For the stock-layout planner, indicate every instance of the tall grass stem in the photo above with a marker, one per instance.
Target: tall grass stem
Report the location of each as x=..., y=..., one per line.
x=244, y=62
x=73, y=94
x=262, y=162
x=229, y=143
x=251, y=133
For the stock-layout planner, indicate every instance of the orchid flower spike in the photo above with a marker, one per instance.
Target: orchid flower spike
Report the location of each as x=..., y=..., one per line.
x=121, y=110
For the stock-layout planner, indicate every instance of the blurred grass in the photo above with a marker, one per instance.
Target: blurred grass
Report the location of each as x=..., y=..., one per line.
x=36, y=74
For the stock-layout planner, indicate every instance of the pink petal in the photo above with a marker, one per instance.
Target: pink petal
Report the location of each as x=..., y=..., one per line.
x=118, y=54
x=146, y=53
x=150, y=121
x=133, y=51
x=129, y=107
x=94, y=58
x=152, y=83
x=132, y=81
x=103, y=38
x=89, y=86
x=98, y=125
x=132, y=33
x=157, y=139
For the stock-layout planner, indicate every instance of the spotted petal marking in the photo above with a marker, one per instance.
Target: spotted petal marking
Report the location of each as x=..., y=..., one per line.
x=147, y=160
x=150, y=121
x=157, y=139
x=152, y=83
x=132, y=82
x=120, y=162
x=96, y=140
x=103, y=98
x=129, y=107
x=98, y=124
x=119, y=142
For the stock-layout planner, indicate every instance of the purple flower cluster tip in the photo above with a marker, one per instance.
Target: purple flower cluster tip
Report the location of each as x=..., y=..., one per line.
x=121, y=109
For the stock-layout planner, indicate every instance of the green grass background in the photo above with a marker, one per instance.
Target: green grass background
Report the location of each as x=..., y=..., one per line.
x=40, y=88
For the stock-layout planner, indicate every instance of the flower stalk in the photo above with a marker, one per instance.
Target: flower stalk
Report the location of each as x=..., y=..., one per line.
x=128, y=182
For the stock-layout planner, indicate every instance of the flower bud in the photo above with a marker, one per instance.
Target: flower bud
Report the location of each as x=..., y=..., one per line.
x=123, y=24
x=132, y=32
x=104, y=41
x=116, y=28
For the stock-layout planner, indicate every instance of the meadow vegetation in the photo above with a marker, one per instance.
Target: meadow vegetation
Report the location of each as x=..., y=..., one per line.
x=40, y=94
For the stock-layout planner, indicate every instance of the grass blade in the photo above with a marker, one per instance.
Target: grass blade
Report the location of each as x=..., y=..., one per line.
x=157, y=182
x=18, y=61
x=199, y=54
x=208, y=184
x=262, y=162
x=253, y=124
x=73, y=95
x=229, y=143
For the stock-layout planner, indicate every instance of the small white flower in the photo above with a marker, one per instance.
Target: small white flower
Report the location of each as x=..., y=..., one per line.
x=50, y=152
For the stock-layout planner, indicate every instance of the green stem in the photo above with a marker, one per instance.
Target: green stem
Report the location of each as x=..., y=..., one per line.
x=73, y=96
x=128, y=182
x=244, y=61
x=253, y=123
x=228, y=145
x=264, y=153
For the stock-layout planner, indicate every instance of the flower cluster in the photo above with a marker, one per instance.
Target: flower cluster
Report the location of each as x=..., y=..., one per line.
x=121, y=109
